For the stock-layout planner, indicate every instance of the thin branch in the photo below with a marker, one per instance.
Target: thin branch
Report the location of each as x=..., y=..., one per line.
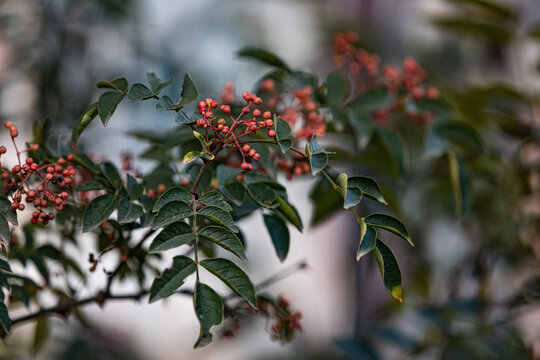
x=64, y=306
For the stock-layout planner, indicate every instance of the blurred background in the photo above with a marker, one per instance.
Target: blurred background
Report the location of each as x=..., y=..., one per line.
x=471, y=283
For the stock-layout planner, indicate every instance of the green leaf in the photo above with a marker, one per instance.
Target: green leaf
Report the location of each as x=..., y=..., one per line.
x=461, y=186
x=201, y=138
x=174, y=235
x=367, y=242
x=5, y=207
x=98, y=211
x=226, y=174
x=176, y=193
x=129, y=212
x=351, y=195
x=22, y=294
x=171, y=278
x=459, y=133
x=368, y=186
x=5, y=234
x=224, y=238
x=171, y=212
x=191, y=156
x=90, y=186
x=134, y=188
x=337, y=87
x=107, y=104
x=263, y=56
x=120, y=84
x=85, y=120
x=4, y=265
x=389, y=223
x=111, y=173
x=279, y=233
x=188, y=95
x=40, y=333
x=283, y=134
x=235, y=192
x=189, y=92
x=155, y=83
x=5, y=321
x=372, y=100
x=182, y=118
x=234, y=277
x=218, y=216
x=318, y=158
x=209, y=309
x=495, y=32
x=166, y=103
x=86, y=162
x=289, y=212
x=262, y=194
x=138, y=92
x=215, y=198
x=389, y=269
x=394, y=145
x=207, y=155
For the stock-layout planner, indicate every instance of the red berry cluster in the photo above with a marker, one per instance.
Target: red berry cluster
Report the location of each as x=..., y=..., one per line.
x=298, y=166
x=286, y=322
x=406, y=85
x=355, y=60
x=227, y=95
x=156, y=193
x=16, y=182
x=300, y=111
x=228, y=132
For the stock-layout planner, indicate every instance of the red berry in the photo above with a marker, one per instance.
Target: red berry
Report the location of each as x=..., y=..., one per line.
x=252, y=152
x=70, y=158
x=34, y=147
x=33, y=220
x=271, y=133
x=201, y=104
x=246, y=95
x=214, y=104
x=256, y=113
x=267, y=115
x=269, y=123
x=3, y=150
x=34, y=167
x=21, y=207
x=257, y=156
x=258, y=101
x=246, y=148
x=8, y=124
x=244, y=166
x=16, y=169
x=29, y=161
x=226, y=109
